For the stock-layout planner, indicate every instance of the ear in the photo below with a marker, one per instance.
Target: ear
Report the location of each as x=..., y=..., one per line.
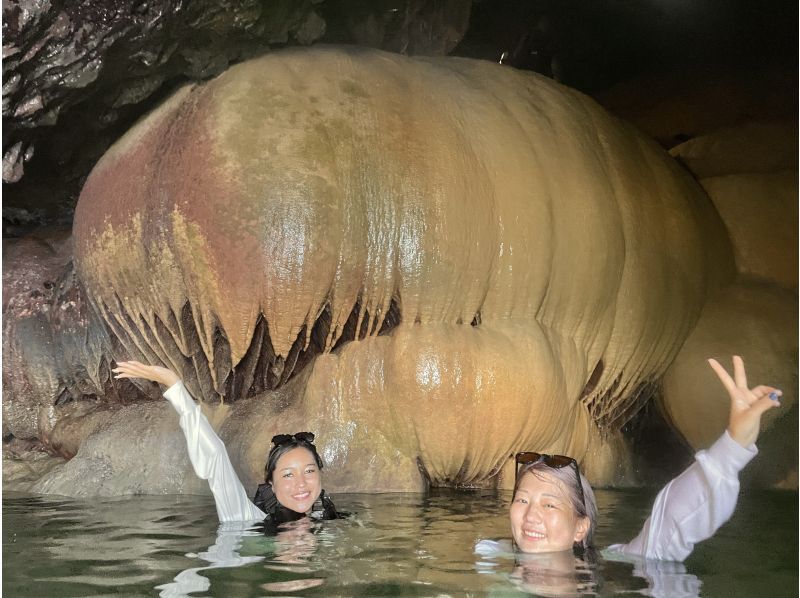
x=581, y=529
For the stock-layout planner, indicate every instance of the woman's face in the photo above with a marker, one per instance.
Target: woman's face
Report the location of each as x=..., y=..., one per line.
x=542, y=516
x=296, y=480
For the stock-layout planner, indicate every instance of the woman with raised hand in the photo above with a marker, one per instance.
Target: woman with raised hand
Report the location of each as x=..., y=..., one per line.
x=554, y=508
x=293, y=482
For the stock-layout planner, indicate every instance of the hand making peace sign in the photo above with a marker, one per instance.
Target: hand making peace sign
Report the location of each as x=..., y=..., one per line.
x=747, y=404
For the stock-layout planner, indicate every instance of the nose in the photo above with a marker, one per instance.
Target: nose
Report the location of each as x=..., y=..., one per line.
x=532, y=513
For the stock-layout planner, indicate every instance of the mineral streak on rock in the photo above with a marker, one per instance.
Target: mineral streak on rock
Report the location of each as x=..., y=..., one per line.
x=77, y=73
x=308, y=198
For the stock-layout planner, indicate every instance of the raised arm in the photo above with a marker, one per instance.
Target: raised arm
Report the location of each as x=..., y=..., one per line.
x=695, y=504
x=206, y=450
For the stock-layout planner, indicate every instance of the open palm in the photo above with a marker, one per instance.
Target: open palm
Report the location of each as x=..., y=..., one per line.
x=136, y=369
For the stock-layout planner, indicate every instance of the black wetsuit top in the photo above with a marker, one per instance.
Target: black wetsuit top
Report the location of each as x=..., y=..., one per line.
x=277, y=514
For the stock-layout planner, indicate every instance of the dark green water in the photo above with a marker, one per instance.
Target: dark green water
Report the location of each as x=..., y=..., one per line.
x=394, y=545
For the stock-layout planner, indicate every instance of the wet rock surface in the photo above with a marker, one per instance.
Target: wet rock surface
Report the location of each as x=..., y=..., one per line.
x=77, y=74
x=56, y=351
x=359, y=207
x=138, y=450
x=24, y=464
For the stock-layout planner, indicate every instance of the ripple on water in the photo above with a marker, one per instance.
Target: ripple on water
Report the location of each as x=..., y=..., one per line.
x=398, y=544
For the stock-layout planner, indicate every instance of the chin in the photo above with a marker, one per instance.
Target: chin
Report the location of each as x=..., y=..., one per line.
x=301, y=506
x=538, y=547
x=533, y=548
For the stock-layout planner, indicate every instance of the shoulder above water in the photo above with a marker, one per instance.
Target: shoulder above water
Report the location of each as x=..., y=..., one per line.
x=493, y=547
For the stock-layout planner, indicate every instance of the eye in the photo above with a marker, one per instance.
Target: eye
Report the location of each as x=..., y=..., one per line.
x=521, y=500
x=550, y=505
x=311, y=470
x=287, y=474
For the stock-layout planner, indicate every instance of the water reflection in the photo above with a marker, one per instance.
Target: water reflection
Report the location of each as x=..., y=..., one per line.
x=295, y=545
x=564, y=574
x=555, y=574
x=289, y=550
x=222, y=553
x=396, y=544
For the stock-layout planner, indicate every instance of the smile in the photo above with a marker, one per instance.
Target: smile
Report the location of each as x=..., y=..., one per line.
x=533, y=535
x=301, y=496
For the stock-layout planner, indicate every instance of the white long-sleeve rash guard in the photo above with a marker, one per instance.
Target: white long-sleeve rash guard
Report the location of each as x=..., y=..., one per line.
x=693, y=506
x=689, y=509
x=210, y=459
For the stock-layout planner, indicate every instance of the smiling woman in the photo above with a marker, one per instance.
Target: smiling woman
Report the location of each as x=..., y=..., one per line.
x=554, y=509
x=543, y=518
x=293, y=486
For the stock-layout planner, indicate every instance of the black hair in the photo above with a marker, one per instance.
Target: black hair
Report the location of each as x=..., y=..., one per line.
x=283, y=443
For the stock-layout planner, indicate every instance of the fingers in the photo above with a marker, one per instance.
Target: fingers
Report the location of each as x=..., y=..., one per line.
x=761, y=391
x=131, y=369
x=135, y=369
x=723, y=376
x=763, y=405
x=739, y=381
x=738, y=372
x=123, y=368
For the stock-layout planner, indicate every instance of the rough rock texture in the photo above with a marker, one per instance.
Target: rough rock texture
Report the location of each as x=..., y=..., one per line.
x=140, y=450
x=91, y=68
x=494, y=244
x=31, y=269
x=25, y=463
x=55, y=348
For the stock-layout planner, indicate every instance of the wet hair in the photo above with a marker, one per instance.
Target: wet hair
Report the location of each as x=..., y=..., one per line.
x=566, y=476
x=281, y=448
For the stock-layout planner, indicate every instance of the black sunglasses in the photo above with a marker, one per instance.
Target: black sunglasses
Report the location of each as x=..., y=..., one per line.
x=279, y=439
x=552, y=461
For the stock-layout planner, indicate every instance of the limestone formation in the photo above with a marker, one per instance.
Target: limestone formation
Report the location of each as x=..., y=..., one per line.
x=431, y=263
x=77, y=74
x=750, y=173
x=472, y=260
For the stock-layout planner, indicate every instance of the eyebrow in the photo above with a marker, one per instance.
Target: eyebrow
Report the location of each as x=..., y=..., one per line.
x=546, y=495
x=561, y=498
x=303, y=467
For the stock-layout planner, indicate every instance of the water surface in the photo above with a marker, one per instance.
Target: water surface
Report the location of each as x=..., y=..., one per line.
x=393, y=545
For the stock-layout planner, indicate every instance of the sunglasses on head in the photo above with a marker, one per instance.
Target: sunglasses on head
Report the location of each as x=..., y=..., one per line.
x=279, y=439
x=553, y=462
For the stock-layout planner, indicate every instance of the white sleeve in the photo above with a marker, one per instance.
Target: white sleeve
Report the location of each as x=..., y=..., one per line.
x=694, y=505
x=210, y=459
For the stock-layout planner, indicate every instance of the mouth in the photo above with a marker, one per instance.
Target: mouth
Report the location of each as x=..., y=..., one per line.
x=533, y=535
x=301, y=496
